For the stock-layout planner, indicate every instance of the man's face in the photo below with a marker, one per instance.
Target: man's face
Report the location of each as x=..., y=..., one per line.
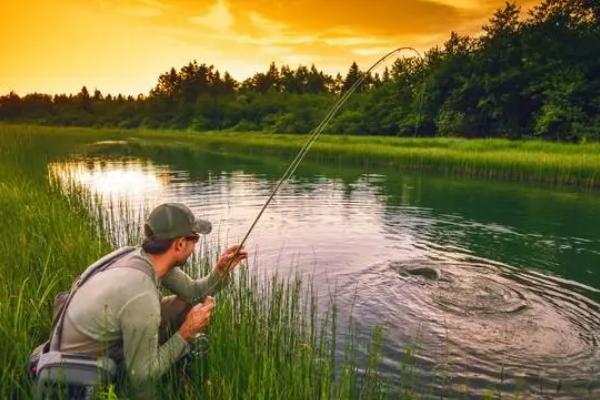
x=184, y=247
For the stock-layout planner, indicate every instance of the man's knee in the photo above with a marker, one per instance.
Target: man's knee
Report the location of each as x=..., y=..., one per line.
x=173, y=311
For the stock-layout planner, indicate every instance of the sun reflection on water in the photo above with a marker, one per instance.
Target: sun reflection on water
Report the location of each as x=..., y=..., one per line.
x=114, y=182
x=123, y=189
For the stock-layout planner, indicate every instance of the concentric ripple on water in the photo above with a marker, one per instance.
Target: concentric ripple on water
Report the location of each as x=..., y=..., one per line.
x=499, y=318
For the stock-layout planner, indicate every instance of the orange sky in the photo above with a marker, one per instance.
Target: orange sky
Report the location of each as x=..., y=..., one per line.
x=122, y=46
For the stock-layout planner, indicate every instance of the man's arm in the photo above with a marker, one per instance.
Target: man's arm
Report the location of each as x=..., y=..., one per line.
x=144, y=359
x=194, y=291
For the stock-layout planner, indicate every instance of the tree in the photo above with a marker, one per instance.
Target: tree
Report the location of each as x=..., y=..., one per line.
x=84, y=99
x=97, y=95
x=83, y=94
x=229, y=84
x=317, y=82
x=533, y=75
x=504, y=22
x=338, y=84
x=264, y=82
x=10, y=106
x=301, y=79
x=168, y=84
x=353, y=75
x=385, y=78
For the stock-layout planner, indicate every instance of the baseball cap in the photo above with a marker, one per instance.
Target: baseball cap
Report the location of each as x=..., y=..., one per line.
x=173, y=220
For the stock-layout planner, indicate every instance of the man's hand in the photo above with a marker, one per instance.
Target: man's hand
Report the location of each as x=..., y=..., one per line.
x=227, y=261
x=197, y=319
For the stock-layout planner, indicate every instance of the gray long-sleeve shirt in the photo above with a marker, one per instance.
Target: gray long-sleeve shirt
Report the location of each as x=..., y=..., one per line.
x=117, y=312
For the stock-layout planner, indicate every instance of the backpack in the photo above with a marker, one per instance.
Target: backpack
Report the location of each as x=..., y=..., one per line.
x=66, y=374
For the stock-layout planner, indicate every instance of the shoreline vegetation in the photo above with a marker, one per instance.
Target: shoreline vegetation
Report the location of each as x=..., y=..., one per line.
x=525, y=161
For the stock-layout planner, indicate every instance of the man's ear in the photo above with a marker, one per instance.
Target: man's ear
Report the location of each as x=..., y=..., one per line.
x=180, y=243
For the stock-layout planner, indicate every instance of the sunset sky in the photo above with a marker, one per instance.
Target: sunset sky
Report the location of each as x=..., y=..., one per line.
x=121, y=46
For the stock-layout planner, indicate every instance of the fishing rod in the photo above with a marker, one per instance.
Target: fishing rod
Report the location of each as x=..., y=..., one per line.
x=312, y=138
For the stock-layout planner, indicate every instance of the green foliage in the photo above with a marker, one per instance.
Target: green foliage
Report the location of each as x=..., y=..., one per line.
x=450, y=123
x=350, y=121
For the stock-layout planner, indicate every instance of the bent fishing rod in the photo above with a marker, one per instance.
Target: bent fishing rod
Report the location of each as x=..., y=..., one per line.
x=312, y=138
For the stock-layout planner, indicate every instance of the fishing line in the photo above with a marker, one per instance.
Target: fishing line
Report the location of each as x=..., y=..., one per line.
x=314, y=135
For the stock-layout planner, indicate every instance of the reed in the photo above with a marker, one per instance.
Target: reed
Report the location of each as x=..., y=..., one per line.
x=525, y=161
x=45, y=239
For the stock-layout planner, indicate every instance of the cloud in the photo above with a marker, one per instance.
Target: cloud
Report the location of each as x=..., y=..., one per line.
x=218, y=17
x=136, y=8
x=247, y=32
x=326, y=32
x=382, y=17
x=265, y=24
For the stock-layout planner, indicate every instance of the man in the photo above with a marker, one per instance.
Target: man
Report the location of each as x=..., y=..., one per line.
x=120, y=311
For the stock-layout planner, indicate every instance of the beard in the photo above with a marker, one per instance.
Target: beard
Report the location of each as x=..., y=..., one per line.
x=182, y=262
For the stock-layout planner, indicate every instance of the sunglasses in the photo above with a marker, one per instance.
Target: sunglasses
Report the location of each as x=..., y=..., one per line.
x=194, y=237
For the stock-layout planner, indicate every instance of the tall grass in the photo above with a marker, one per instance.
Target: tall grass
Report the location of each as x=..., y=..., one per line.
x=45, y=239
x=523, y=161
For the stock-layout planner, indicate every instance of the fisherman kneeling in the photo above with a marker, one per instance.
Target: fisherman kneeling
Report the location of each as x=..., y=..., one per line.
x=117, y=310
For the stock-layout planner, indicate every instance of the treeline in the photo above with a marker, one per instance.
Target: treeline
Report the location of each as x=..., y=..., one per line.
x=526, y=75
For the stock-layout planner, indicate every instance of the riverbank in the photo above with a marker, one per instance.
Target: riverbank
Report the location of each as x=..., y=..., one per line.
x=45, y=238
x=550, y=163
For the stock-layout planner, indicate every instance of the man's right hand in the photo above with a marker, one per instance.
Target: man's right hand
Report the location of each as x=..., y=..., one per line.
x=197, y=319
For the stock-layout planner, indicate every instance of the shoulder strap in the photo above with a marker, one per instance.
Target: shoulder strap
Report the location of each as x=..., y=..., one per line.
x=148, y=271
x=100, y=265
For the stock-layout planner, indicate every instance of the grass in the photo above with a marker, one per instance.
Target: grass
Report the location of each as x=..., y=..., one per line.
x=45, y=238
x=527, y=161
